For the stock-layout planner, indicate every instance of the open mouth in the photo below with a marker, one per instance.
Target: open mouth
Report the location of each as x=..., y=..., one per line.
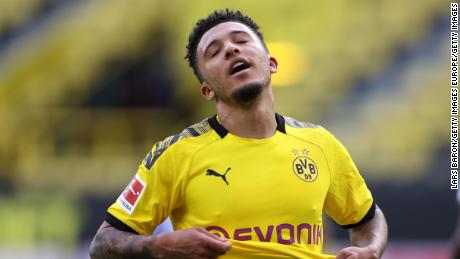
x=238, y=67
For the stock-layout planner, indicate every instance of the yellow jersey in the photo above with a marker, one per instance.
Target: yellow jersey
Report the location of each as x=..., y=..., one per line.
x=267, y=196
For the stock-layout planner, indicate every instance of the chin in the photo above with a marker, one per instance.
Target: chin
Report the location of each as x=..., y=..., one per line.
x=247, y=93
x=249, y=82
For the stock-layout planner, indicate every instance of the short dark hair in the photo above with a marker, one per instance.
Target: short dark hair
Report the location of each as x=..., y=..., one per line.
x=213, y=19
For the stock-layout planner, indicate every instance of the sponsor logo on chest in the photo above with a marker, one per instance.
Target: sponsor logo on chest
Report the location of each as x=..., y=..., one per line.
x=285, y=234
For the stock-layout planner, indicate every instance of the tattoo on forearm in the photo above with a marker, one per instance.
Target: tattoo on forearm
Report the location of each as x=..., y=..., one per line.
x=116, y=244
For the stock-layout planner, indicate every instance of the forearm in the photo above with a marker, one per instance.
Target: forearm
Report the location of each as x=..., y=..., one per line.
x=110, y=242
x=372, y=234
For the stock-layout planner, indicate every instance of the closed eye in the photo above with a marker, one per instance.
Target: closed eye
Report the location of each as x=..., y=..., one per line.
x=215, y=53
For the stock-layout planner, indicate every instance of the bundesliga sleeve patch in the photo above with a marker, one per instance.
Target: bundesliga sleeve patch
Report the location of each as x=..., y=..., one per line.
x=131, y=195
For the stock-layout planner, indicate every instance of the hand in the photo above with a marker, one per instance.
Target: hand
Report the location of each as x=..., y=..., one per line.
x=354, y=252
x=189, y=243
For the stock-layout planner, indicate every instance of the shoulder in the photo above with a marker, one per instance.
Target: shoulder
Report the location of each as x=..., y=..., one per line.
x=184, y=143
x=294, y=123
x=304, y=129
x=319, y=136
x=309, y=131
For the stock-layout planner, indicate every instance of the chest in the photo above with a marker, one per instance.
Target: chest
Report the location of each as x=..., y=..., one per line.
x=242, y=183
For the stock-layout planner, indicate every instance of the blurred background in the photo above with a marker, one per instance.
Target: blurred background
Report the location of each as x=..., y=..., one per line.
x=87, y=87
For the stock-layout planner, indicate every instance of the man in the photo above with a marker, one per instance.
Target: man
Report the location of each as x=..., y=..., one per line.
x=246, y=183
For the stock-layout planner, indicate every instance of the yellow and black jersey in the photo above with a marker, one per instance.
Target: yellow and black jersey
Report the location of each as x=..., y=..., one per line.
x=267, y=196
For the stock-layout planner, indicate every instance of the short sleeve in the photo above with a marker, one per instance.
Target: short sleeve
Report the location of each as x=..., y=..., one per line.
x=348, y=201
x=149, y=197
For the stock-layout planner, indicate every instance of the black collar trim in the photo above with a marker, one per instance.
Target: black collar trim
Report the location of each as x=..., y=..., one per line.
x=217, y=126
x=280, y=123
x=223, y=131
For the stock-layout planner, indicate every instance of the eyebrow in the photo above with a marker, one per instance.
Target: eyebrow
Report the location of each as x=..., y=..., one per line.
x=215, y=40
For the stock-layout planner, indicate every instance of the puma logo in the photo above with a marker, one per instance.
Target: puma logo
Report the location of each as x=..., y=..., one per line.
x=214, y=173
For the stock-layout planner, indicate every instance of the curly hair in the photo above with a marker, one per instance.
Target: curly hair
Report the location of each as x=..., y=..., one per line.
x=213, y=19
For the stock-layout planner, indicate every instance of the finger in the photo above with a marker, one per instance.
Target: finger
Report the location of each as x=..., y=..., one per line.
x=344, y=253
x=209, y=234
x=217, y=246
x=202, y=230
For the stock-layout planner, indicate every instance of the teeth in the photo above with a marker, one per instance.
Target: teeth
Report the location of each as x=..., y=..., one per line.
x=237, y=64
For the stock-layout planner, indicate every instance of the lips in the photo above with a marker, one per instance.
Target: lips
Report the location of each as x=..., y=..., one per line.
x=238, y=65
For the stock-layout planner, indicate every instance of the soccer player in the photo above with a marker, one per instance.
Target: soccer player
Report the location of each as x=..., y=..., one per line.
x=247, y=182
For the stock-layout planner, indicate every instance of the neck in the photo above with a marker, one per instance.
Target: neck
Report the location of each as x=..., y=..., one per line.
x=256, y=120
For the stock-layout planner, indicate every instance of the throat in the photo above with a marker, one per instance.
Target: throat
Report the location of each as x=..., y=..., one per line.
x=256, y=120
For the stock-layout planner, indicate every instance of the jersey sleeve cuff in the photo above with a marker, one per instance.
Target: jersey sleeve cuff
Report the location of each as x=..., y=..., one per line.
x=369, y=215
x=118, y=224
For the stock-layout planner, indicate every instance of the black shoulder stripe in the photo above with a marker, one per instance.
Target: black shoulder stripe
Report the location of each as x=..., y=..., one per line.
x=192, y=131
x=118, y=224
x=158, y=152
x=174, y=139
x=369, y=215
x=148, y=161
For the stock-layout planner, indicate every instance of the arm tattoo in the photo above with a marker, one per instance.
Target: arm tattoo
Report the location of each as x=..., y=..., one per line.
x=117, y=244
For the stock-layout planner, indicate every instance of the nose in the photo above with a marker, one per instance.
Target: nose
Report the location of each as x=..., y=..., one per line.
x=231, y=50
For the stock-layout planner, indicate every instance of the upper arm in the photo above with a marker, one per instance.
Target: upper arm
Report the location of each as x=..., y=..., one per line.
x=372, y=224
x=104, y=227
x=348, y=200
x=149, y=197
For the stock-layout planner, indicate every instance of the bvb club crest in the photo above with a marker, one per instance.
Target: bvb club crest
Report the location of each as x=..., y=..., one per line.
x=304, y=167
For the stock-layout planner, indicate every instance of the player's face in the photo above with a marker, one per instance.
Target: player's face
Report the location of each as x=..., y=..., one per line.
x=231, y=57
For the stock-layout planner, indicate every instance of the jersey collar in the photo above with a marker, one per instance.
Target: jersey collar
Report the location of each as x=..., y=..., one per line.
x=215, y=124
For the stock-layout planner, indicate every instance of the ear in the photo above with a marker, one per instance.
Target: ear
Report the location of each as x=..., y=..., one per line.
x=206, y=91
x=273, y=64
